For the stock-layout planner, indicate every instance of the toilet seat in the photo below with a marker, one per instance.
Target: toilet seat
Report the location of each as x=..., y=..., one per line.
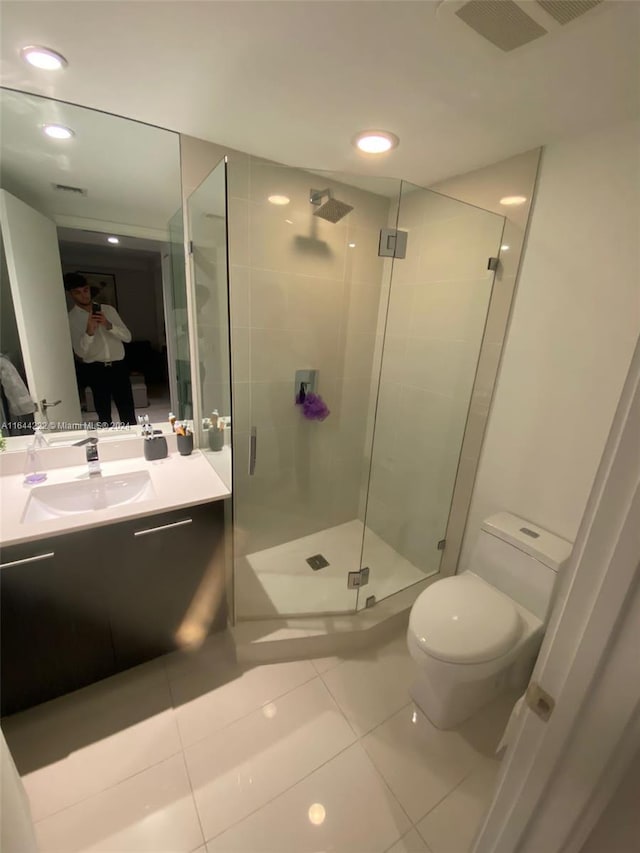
x=462, y=619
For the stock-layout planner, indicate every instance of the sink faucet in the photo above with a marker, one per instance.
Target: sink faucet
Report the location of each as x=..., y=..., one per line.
x=93, y=461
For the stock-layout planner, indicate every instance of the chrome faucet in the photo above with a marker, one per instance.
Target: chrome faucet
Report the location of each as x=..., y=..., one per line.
x=93, y=461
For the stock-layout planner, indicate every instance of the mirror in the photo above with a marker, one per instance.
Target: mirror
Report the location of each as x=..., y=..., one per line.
x=101, y=197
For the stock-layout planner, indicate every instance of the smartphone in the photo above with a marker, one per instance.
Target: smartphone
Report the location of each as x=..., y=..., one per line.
x=95, y=307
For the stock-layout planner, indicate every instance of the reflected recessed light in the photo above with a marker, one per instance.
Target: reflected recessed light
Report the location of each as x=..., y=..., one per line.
x=43, y=57
x=112, y=240
x=317, y=814
x=270, y=710
x=376, y=141
x=513, y=199
x=58, y=131
x=504, y=248
x=289, y=221
x=352, y=245
x=279, y=199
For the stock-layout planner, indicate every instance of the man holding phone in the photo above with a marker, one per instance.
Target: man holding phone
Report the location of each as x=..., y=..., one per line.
x=97, y=337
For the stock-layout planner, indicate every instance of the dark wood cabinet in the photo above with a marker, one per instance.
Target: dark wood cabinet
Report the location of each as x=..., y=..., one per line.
x=81, y=606
x=168, y=582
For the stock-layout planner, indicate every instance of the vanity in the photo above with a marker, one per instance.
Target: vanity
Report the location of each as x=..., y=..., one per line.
x=99, y=574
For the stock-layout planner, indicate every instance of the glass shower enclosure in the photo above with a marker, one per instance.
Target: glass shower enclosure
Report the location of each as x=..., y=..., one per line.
x=353, y=364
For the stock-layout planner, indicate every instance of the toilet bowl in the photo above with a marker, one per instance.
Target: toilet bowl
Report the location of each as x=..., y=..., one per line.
x=477, y=633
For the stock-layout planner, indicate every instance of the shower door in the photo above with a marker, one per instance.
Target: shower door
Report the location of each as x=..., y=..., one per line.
x=436, y=312
x=305, y=285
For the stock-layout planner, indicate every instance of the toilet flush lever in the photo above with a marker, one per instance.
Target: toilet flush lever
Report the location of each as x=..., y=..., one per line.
x=539, y=701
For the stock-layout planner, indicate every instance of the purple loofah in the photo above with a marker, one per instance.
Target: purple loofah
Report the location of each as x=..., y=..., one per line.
x=314, y=408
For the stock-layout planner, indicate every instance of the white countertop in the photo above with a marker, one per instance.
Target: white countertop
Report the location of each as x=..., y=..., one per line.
x=178, y=481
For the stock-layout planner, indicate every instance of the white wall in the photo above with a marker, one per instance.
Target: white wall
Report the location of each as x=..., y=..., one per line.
x=618, y=830
x=575, y=320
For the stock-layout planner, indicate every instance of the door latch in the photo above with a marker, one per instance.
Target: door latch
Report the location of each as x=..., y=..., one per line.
x=539, y=701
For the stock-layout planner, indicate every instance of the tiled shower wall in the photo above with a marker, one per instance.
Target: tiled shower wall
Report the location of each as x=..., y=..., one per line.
x=302, y=297
x=437, y=310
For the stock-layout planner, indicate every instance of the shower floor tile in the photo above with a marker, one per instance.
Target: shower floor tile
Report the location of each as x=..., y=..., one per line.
x=279, y=581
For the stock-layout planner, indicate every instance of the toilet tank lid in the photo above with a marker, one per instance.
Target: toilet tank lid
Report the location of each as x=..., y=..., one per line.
x=550, y=549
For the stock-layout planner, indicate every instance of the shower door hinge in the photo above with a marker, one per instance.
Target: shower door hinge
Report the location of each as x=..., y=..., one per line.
x=442, y=544
x=357, y=579
x=492, y=264
x=191, y=247
x=393, y=243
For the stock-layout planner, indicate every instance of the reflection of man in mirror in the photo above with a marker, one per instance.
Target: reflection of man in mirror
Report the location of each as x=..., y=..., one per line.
x=97, y=336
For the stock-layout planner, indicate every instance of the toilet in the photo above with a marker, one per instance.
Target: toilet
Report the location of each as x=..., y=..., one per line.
x=479, y=632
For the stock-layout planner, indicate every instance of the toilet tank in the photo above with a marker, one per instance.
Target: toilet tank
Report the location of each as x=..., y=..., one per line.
x=520, y=559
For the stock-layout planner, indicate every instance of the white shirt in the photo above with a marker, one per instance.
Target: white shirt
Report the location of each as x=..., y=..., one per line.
x=103, y=345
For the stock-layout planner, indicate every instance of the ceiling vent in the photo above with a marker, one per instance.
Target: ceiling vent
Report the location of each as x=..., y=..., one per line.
x=64, y=188
x=567, y=10
x=509, y=24
x=502, y=22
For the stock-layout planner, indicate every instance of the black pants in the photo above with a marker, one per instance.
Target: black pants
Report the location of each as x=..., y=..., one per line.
x=107, y=382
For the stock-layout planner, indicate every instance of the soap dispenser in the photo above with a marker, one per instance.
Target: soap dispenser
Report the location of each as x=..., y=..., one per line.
x=33, y=472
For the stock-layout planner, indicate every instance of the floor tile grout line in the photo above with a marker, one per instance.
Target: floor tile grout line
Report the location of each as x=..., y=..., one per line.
x=358, y=740
x=108, y=788
x=195, y=803
x=339, y=707
x=154, y=763
x=182, y=749
x=413, y=828
x=284, y=791
x=443, y=798
x=248, y=714
x=387, y=786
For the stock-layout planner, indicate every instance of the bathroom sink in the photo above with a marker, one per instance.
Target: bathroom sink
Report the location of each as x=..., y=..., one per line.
x=82, y=496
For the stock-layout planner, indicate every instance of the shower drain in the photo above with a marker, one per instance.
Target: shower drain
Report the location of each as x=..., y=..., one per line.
x=317, y=562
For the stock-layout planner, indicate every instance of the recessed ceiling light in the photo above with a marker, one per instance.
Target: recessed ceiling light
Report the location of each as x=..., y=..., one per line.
x=279, y=199
x=513, y=199
x=113, y=240
x=317, y=814
x=58, y=131
x=43, y=57
x=352, y=245
x=289, y=221
x=504, y=248
x=376, y=141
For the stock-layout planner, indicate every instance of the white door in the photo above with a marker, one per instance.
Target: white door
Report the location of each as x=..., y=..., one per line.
x=558, y=775
x=35, y=275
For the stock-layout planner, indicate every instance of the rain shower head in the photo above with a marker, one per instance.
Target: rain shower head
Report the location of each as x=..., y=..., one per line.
x=332, y=210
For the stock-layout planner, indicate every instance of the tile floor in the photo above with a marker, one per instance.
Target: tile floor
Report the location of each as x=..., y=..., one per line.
x=278, y=581
x=194, y=752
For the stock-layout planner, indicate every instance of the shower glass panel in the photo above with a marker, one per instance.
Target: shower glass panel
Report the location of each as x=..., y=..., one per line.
x=306, y=285
x=207, y=217
x=177, y=322
x=438, y=299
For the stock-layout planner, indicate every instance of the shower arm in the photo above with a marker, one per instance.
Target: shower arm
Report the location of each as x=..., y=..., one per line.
x=316, y=196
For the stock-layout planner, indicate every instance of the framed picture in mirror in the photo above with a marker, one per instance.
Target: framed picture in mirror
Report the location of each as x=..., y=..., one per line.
x=103, y=287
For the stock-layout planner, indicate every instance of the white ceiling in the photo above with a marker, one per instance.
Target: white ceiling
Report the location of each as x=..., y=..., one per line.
x=130, y=171
x=294, y=81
